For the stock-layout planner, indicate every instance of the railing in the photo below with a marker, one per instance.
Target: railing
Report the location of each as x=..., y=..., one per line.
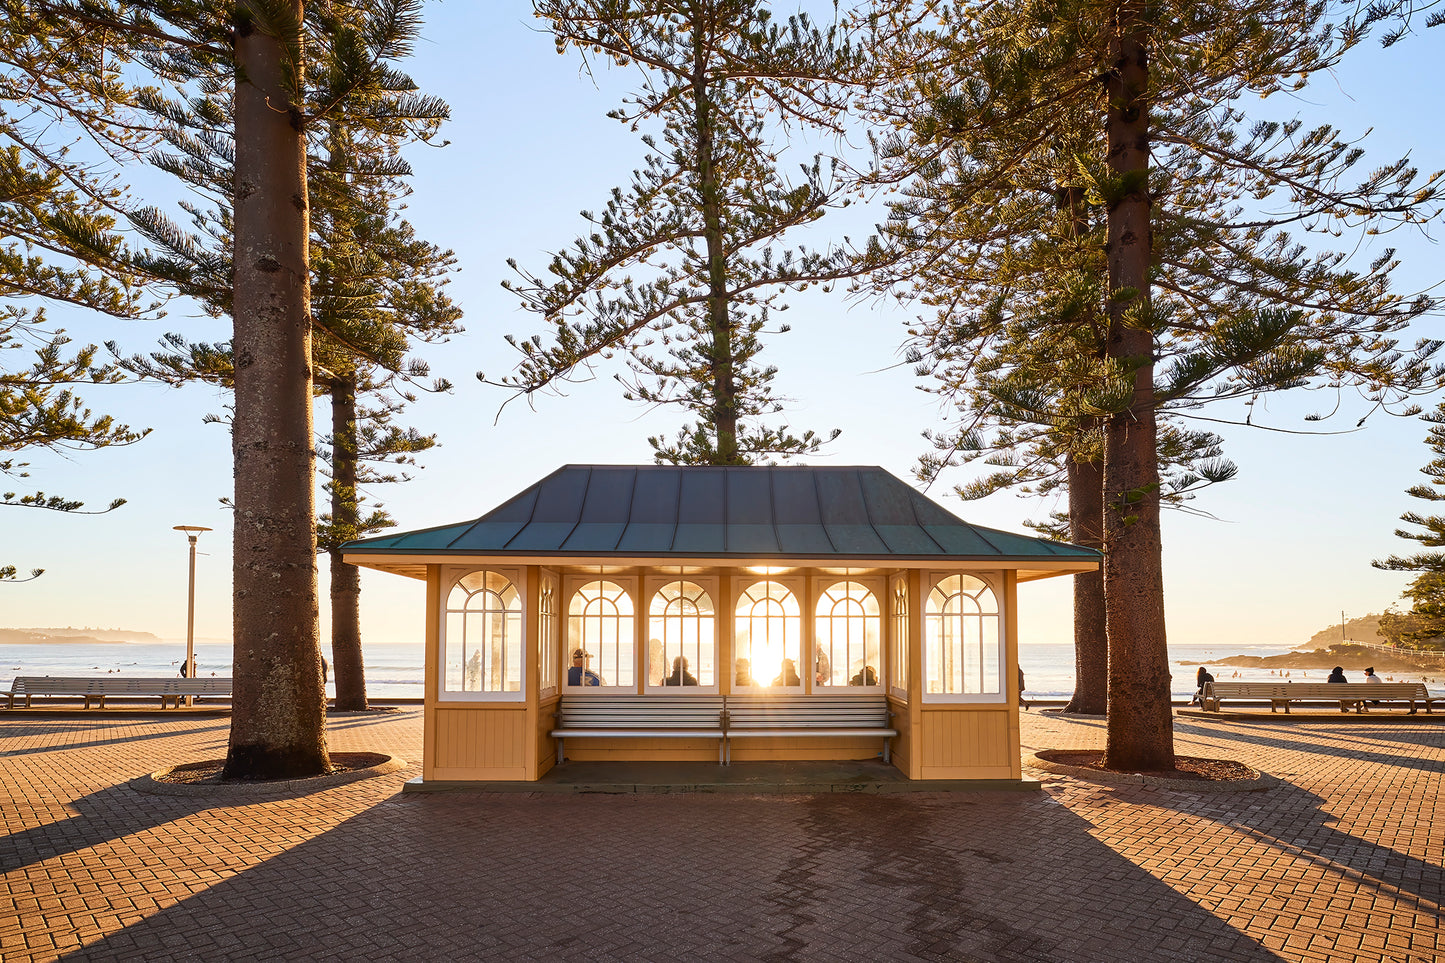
x=1413, y=653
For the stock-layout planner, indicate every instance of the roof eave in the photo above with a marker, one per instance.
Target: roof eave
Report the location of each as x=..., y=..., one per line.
x=413, y=564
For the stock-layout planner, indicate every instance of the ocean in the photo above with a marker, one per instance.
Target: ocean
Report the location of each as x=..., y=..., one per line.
x=395, y=670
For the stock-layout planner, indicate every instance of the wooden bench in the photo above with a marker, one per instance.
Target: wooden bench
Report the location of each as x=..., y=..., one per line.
x=169, y=690
x=808, y=716
x=1283, y=693
x=640, y=717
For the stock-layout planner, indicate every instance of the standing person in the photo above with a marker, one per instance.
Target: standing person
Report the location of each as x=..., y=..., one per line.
x=1338, y=675
x=1022, y=701
x=1200, y=677
x=822, y=667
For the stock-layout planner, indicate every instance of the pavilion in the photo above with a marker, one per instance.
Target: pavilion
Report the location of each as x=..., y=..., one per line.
x=761, y=583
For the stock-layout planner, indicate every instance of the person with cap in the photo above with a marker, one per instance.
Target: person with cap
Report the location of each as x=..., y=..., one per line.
x=1371, y=677
x=578, y=673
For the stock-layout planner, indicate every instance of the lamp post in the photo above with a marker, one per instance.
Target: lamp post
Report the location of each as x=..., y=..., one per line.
x=192, y=532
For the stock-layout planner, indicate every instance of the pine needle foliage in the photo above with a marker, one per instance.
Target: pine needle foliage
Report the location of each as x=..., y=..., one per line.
x=62, y=100
x=1196, y=264
x=682, y=269
x=1424, y=624
x=260, y=80
x=377, y=290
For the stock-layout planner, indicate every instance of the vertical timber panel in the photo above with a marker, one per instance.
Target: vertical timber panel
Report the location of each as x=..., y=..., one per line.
x=430, y=662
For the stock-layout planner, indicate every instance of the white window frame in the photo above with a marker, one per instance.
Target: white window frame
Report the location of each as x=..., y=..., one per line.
x=571, y=584
x=994, y=581
x=651, y=586
x=797, y=587
x=898, y=635
x=876, y=587
x=451, y=575
x=548, y=646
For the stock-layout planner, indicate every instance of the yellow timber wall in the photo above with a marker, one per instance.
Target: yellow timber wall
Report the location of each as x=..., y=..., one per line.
x=512, y=741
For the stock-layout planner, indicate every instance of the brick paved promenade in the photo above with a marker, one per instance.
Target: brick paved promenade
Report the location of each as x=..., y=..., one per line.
x=1342, y=862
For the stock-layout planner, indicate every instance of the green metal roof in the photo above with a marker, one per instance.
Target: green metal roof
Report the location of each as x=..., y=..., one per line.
x=674, y=512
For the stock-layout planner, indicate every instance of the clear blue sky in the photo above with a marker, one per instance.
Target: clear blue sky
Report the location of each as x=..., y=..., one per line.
x=531, y=147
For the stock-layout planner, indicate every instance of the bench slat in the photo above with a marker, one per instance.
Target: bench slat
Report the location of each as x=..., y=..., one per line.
x=1283, y=693
x=98, y=687
x=723, y=718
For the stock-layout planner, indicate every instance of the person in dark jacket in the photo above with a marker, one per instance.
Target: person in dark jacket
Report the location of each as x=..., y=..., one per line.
x=578, y=673
x=680, y=675
x=1201, y=677
x=789, y=675
x=1338, y=675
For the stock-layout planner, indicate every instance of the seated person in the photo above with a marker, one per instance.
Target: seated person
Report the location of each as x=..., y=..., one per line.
x=680, y=675
x=744, y=676
x=864, y=676
x=578, y=673
x=789, y=675
x=1201, y=678
x=1338, y=675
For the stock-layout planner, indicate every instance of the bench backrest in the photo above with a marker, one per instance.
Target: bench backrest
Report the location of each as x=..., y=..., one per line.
x=641, y=712
x=803, y=712
x=117, y=685
x=1313, y=690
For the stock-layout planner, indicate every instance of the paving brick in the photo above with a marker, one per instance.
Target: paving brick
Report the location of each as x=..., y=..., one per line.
x=1342, y=861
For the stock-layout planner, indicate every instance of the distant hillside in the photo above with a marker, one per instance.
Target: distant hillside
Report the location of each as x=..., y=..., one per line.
x=1366, y=628
x=70, y=635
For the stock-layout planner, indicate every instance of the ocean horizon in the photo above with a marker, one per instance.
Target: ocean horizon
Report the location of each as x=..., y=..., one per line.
x=395, y=669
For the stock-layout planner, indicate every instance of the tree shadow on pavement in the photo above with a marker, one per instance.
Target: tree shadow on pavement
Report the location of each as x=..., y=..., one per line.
x=11, y=734
x=968, y=876
x=1277, y=739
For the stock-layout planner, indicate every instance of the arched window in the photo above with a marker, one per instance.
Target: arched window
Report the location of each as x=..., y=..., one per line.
x=483, y=635
x=767, y=629
x=601, y=637
x=681, y=630
x=962, y=645
x=846, y=632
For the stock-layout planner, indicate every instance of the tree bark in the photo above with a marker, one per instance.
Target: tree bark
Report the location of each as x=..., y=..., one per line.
x=1091, y=645
x=346, y=659
x=720, y=330
x=278, y=717
x=1140, y=728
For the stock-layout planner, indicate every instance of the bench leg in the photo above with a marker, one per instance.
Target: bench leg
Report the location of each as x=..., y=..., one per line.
x=561, y=756
x=885, y=750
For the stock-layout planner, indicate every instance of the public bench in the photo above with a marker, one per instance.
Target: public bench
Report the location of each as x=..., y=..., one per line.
x=812, y=716
x=724, y=718
x=640, y=717
x=97, y=688
x=1346, y=694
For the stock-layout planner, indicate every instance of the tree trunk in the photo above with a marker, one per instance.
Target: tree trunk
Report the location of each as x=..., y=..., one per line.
x=346, y=659
x=278, y=719
x=1140, y=728
x=1091, y=646
x=720, y=332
